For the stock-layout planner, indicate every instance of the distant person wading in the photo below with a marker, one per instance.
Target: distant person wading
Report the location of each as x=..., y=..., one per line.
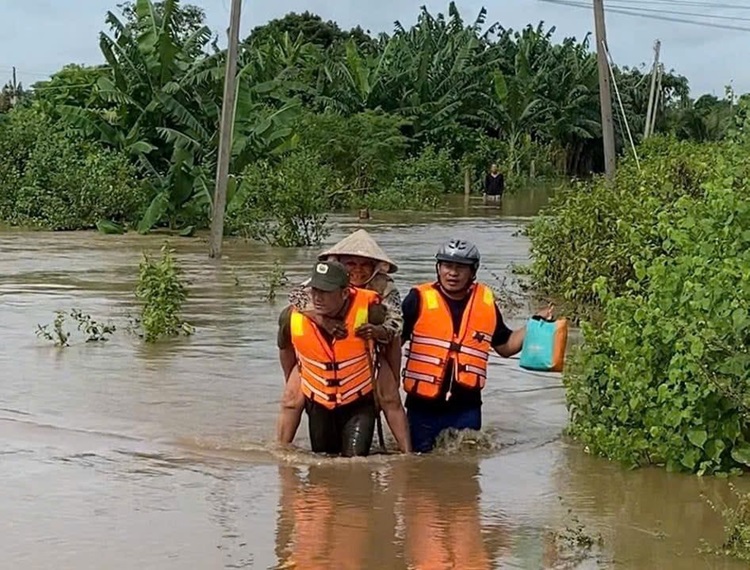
x=494, y=185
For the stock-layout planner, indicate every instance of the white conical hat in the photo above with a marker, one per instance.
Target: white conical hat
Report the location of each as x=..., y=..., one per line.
x=360, y=243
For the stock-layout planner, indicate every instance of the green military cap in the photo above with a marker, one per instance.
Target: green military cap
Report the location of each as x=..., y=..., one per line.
x=329, y=276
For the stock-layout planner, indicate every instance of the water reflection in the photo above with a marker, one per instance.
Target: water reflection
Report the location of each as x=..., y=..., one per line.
x=411, y=514
x=442, y=516
x=334, y=516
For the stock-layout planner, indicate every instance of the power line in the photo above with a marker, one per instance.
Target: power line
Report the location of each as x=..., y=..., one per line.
x=652, y=16
x=691, y=3
x=675, y=12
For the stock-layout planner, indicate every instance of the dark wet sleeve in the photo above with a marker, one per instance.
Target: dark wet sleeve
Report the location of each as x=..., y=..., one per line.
x=502, y=332
x=410, y=312
x=284, y=337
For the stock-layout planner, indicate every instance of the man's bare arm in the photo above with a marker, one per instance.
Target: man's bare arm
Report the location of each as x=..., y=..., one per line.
x=292, y=406
x=513, y=345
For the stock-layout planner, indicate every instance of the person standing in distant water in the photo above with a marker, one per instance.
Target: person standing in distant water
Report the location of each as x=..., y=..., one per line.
x=494, y=185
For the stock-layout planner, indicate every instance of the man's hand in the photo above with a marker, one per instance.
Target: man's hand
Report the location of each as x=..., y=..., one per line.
x=334, y=327
x=372, y=332
x=547, y=313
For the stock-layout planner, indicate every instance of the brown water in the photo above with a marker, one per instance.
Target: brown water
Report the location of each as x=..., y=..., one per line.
x=119, y=456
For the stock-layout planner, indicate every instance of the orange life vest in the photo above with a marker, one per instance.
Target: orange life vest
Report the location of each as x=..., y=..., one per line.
x=337, y=373
x=433, y=344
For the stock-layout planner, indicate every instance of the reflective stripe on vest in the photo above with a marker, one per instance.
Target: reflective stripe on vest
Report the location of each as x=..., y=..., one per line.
x=337, y=373
x=433, y=344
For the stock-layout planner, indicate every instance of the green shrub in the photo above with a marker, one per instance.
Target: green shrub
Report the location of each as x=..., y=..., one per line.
x=421, y=182
x=664, y=378
x=284, y=204
x=54, y=180
x=19, y=131
x=594, y=230
x=162, y=292
x=362, y=149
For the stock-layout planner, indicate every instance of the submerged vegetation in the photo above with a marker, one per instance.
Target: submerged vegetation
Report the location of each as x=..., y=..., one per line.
x=162, y=292
x=93, y=331
x=736, y=526
x=326, y=119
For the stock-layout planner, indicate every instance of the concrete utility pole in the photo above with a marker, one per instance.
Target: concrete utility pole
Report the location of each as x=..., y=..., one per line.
x=647, y=130
x=225, y=133
x=14, y=90
x=605, y=97
x=657, y=98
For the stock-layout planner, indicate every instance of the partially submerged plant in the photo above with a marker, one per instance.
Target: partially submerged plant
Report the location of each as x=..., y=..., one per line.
x=58, y=335
x=736, y=527
x=274, y=280
x=162, y=291
x=94, y=331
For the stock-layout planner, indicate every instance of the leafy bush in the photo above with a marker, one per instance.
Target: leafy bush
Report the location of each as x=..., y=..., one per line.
x=596, y=230
x=284, y=204
x=19, y=131
x=664, y=378
x=162, y=292
x=421, y=182
x=54, y=180
x=362, y=149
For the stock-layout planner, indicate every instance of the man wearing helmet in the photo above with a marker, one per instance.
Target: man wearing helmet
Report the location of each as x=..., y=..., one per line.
x=451, y=326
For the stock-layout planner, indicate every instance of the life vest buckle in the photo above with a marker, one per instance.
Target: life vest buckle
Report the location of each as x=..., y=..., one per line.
x=481, y=337
x=455, y=347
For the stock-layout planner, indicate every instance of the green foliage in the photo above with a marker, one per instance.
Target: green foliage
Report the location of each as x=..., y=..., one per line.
x=162, y=292
x=273, y=281
x=471, y=89
x=363, y=149
x=664, y=377
x=59, y=336
x=420, y=182
x=160, y=102
x=311, y=28
x=594, y=230
x=736, y=527
x=284, y=204
x=55, y=180
x=92, y=330
x=74, y=85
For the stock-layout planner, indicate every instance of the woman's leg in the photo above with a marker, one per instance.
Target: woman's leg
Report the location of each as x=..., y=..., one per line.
x=389, y=398
x=392, y=353
x=292, y=406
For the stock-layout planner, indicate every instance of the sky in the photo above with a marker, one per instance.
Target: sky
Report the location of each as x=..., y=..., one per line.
x=40, y=36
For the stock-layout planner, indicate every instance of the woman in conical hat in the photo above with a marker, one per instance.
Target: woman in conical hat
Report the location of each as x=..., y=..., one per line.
x=369, y=268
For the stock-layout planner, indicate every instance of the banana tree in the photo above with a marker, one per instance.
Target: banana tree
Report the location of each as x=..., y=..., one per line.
x=513, y=111
x=161, y=102
x=571, y=100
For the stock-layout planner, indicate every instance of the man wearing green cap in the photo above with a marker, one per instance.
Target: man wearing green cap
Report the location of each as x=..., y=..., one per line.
x=334, y=379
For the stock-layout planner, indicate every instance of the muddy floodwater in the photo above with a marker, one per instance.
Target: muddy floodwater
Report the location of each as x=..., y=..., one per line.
x=118, y=455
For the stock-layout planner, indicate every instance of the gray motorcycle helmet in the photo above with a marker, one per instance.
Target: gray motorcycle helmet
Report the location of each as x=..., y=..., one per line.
x=459, y=251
